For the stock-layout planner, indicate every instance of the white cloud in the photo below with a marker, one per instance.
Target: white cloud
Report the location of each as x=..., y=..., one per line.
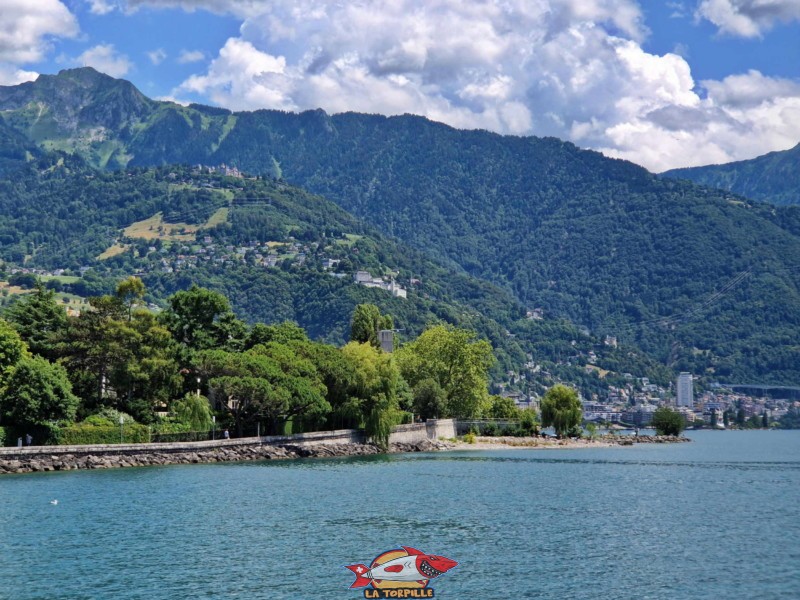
x=157, y=56
x=748, y=18
x=13, y=76
x=26, y=28
x=190, y=56
x=101, y=7
x=575, y=69
x=105, y=59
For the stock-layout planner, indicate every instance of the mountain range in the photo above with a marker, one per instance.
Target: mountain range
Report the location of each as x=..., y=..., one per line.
x=702, y=279
x=773, y=177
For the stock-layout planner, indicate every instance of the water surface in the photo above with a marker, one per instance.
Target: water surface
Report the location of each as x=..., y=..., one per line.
x=717, y=518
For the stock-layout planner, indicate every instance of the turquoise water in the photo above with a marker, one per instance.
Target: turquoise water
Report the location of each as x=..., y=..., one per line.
x=717, y=518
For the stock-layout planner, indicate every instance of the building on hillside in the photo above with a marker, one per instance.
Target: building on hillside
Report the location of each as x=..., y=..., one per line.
x=685, y=390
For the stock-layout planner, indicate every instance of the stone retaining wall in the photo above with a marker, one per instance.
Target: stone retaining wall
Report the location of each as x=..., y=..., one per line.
x=229, y=452
x=345, y=442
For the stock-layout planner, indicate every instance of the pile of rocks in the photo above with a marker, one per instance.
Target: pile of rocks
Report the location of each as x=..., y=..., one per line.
x=630, y=440
x=132, y=458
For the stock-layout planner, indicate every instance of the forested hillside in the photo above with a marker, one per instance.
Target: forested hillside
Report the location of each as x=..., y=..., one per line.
x=278, y=252
x=703, y=280
x=773, y=178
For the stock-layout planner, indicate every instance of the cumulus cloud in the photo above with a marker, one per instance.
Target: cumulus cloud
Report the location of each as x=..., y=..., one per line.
x=575, y=69
x=748, y=18
x=190, y=56
x=105, y=59
x=13, y=76
x=26, y=28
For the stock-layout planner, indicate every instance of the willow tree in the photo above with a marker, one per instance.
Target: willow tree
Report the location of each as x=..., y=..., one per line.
x=561, y=409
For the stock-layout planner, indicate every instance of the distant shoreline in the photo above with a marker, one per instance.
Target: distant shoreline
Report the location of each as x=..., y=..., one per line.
x=538, y=443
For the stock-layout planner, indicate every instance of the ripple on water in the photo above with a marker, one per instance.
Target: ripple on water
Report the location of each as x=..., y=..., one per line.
x=717, y=518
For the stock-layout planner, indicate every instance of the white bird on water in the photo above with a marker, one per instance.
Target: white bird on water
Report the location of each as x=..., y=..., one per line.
x=54, y=502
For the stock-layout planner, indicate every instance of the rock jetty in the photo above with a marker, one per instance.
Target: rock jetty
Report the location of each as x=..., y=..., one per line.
x=49, y=460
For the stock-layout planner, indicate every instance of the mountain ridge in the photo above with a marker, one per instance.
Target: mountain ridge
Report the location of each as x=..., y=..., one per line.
x=599, y=241
x=773, y=177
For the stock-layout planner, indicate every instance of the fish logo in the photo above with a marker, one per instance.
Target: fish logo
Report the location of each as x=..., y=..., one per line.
x=400, y=573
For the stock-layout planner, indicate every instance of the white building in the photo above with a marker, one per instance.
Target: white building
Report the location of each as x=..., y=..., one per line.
x=685, y=390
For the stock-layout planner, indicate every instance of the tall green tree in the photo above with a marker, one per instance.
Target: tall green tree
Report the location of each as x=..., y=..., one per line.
x=203, y=319
x=131, y=292
x=561, y=409
x=36, y=392
x=376, y=389
x=12, y=349
x=39, y=319
x=429, y=399
x=457, y=361
x=367, y=321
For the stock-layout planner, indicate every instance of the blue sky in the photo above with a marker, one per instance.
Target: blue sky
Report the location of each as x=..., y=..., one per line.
x=662, y=83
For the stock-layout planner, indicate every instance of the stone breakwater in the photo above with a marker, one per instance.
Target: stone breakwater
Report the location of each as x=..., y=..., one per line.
x=44, y=461
x=647, y=439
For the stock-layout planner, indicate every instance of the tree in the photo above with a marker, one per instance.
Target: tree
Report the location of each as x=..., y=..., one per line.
x=503, y=408
x=375, y=391
x=39, y=319
x=429, y=399
x=456, y=360
x=367, y=321
x=130, y=292
x=283, y=333
x=12, y=349
x=668, y=421
x=202, y=319
x=267, y=382
x=561, y=409
x=36, y=392
x=194, y=411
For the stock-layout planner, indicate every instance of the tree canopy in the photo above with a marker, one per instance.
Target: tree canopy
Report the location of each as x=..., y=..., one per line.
x=561, y=409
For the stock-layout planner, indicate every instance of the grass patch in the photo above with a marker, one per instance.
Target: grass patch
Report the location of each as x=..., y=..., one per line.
x=154, y=228
x=61, y=278
x=350, y=239
x=219, y=217
x=114, y=250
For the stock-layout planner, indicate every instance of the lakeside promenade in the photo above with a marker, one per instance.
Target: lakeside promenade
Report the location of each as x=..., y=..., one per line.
x=420, y=437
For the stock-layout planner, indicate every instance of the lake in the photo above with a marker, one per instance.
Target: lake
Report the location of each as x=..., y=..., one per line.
x=716, y=518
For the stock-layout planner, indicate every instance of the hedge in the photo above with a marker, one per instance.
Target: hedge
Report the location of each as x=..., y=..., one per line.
x=84, y=433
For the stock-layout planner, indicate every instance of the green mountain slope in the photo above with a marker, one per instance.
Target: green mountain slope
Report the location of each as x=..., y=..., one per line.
x=278, y=252
x=703, y=280
x=773, y=178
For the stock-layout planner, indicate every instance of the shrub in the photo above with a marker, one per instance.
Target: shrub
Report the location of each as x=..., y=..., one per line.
x=469, y=438
x=491, y=430
x=668, y=421
x=2, y=436
x=85, y=433
x=528, y=423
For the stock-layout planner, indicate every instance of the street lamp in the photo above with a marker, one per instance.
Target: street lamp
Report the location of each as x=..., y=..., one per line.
x=213, y=427
x=198, y=385
x=121, y=421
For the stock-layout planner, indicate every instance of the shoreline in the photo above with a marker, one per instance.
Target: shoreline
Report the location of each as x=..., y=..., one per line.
x=49, y=459
x=538, y=443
